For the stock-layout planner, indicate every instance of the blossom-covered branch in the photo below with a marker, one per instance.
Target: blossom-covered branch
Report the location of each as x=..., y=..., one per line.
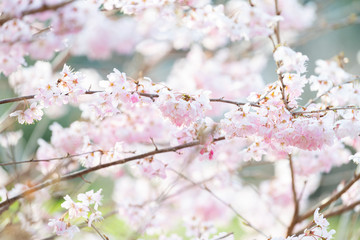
x=43, y=8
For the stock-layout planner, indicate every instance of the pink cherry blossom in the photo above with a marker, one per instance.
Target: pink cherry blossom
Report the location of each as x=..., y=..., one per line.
x=33, y=113
x=290, y=61
x=63, y=229
x=90, y=197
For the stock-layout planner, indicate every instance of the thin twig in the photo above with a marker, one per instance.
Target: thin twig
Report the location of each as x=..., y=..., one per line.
x=49, y=159
x=246, y=222
x=327, y=109
x=98, y=232
x=328, y=91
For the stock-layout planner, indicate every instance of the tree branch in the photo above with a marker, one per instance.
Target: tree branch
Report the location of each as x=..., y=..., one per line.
x=342, y=209
x=43, y=8
x=80, y=173
x=331, y=199
x=149, y=95
x=336, y=212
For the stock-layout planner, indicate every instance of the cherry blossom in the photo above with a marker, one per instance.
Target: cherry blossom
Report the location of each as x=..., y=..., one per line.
x=75, y=209
x=33, y=113
x=90, y=197
x=355, y=158
x=182, y=108
x=63, y=229
x=319, y=219
x=290, y=61
x=190, y=129
x=153, y=167
x=96, y=216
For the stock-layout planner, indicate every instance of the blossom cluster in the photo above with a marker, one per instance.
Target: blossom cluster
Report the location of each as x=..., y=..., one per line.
x=274, y=120
x=86, y=208
x=183, y=108
x=65, y=89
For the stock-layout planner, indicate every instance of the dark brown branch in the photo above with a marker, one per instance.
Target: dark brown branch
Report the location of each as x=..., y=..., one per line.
x=80, y=173
x=43, y=8
x=327, y=202
x=295, y=199
x=342, y=209
x=17, y=99
x=335, y=212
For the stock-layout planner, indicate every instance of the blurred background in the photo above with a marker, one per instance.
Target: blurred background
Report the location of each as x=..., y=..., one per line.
x=336, y=32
